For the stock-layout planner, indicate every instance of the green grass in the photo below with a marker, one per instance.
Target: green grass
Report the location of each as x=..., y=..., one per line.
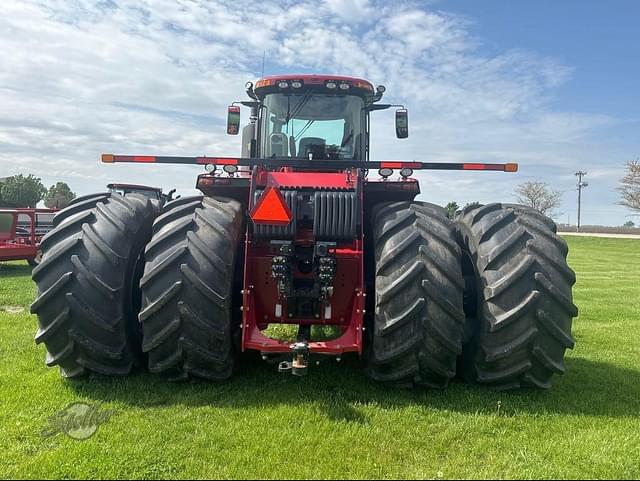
x=335, y=423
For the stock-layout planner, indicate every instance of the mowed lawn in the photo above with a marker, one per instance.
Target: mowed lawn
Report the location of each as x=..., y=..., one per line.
x=335, y=423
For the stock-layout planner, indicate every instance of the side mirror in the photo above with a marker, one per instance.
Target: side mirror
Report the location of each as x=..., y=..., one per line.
x=233, y=120
x=402, y=123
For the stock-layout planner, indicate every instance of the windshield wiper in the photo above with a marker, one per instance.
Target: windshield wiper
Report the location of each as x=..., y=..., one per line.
x=304, y=129
x=298, y=107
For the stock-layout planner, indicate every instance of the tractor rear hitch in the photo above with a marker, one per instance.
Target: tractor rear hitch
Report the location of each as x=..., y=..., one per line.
x=298, y=366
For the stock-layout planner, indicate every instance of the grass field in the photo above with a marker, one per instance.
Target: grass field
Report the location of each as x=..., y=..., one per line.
x=335, y=423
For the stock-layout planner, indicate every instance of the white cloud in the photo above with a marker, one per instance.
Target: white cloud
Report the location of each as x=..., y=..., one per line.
x=78, y=78
x=354, y=11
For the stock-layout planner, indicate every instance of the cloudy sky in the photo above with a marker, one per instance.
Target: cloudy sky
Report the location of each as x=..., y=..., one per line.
x=551, y=85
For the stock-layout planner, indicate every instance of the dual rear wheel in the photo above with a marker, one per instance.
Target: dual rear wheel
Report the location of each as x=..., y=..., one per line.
x=121, y=283
x=487, y=295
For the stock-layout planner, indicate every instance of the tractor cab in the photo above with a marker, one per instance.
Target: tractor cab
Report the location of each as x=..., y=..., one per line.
x=310, y=117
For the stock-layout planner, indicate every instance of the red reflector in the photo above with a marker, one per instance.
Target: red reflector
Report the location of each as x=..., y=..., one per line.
x=391, y=165
x=271, y=209
x=226, y=161
x=217, y=160
x=400, y=165
x=144, y=159
x=474, y=166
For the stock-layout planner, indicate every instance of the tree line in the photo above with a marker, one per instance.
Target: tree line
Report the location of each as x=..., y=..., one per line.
x=27, y=191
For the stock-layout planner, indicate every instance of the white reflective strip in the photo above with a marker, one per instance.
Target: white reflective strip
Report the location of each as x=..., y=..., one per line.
x=278, y=310
x=327, y=311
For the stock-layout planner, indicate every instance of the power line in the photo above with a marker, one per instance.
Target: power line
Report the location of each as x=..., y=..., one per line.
x=581, y=184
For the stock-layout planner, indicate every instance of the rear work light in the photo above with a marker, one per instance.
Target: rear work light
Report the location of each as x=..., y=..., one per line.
x=385, y=172
x=406, y=172
x=230, y=169
x=211, y=168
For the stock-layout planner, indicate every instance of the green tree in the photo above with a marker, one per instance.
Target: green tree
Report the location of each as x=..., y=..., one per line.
x=59, y=196
x=629, y=223
x=452, y=207
x=473, y=204
x=21, y=191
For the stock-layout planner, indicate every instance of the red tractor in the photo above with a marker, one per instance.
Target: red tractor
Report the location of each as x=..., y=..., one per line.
x=303, y=229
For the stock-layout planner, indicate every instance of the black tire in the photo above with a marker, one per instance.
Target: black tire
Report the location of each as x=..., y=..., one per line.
x=187, y=289
x=522, y=319
x=86, y=286
x=419, y=318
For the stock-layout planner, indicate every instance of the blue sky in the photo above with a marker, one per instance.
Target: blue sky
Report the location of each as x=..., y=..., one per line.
x=549, y=84
x=598, y=40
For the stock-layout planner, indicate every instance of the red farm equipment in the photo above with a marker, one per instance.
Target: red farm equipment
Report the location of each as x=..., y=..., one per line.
x=154, y=193
x=21, y=231
x=303, y=229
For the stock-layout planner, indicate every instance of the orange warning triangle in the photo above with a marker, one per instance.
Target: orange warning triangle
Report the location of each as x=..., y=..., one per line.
x=271, y=208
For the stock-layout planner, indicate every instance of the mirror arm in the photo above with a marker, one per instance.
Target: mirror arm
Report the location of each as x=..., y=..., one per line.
x=371, y=108
x=374, y=107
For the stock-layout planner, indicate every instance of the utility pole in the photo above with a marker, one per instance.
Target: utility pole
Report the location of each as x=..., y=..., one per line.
x=581, y=184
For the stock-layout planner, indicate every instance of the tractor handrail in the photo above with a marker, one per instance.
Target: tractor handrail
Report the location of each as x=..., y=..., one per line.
x=302, y=163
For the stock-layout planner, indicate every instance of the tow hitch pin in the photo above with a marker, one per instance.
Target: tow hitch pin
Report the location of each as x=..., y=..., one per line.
x=300, y=363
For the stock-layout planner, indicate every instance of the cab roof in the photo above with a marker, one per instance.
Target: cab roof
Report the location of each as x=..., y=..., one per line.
x=290, y=83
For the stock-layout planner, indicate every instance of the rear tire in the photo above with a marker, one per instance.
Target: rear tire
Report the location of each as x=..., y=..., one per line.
x=522, y=321
x=419, y=318
x=86, y=284
x=187, y=289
